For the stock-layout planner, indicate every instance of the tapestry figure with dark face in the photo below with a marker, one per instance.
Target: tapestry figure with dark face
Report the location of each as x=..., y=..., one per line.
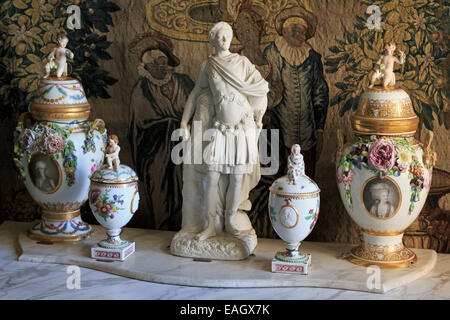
x=157, y=103
x=303, y=108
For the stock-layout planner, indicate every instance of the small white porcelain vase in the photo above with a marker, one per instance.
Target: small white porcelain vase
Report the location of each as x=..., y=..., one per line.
x=294, y=203
x=114, y=198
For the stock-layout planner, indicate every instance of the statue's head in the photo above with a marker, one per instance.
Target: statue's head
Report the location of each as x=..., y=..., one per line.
x=62, y=41
x=113, y=140
x=220, y=35
x=295, y=149
x=390, y=47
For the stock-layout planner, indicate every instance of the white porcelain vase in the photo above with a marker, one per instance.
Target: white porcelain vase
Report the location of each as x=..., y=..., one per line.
x=293, y=211
x=384, y=177
x=56, y=150
x=114, y=198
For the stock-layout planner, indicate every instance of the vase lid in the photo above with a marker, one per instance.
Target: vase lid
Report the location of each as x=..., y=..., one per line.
x=304, y=187
x=124, y=174
x=385, y=112
x=295, y=183
x=60, y=99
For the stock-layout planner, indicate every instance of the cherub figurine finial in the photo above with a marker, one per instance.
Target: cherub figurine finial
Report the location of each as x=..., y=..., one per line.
x=385, y=64
x=112, y=153
x=58, y=58
x=296, y=166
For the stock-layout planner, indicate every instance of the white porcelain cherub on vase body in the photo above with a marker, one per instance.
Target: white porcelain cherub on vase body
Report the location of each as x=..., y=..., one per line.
x=296, y=165
x=112, y=153
x=58, y=58
x=385, y=66
x=239, y=95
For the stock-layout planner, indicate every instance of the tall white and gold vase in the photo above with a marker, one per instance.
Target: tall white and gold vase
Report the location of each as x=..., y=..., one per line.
x=56, y=151
x=384, y=176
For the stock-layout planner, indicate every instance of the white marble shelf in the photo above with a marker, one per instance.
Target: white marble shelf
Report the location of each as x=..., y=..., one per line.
x=26, y=280
x=153, y=262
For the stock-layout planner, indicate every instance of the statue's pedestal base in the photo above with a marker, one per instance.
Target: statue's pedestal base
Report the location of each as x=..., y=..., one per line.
x=109, y=254
x=220, y=247
x=298, y=267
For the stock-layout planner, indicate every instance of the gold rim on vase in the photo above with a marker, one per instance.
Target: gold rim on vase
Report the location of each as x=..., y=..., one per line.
x=63, y=111
x=59, y=216
x=396, y=127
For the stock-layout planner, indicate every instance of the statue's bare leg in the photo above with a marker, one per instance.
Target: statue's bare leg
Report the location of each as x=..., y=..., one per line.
x=387, y=80
x=232, y=202
x=372, y=80
x=47, y=70
x=212, y=184
x=60, y=70
x=109, y=162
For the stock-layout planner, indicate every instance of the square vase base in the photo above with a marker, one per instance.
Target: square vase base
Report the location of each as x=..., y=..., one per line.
x=108, y=254
x=292, y=267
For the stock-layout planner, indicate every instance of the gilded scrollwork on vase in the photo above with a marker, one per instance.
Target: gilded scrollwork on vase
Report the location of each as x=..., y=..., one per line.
x=383, y=253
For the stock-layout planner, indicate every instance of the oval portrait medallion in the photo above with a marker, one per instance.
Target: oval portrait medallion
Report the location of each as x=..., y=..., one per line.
x=288, y=216
x=45, y=173
x=381, y=198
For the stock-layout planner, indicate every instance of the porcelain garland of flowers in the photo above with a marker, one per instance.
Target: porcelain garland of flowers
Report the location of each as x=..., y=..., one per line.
x=49, y=139
x=89, y=143
x=384, y=157
x=52, y=140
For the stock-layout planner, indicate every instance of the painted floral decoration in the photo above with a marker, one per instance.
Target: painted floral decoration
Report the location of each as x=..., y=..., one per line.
x=273, y=213
x=312, y=215
x=107, y=207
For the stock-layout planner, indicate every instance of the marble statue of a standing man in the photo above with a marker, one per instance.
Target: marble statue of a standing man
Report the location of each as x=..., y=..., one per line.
x=239, y=101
